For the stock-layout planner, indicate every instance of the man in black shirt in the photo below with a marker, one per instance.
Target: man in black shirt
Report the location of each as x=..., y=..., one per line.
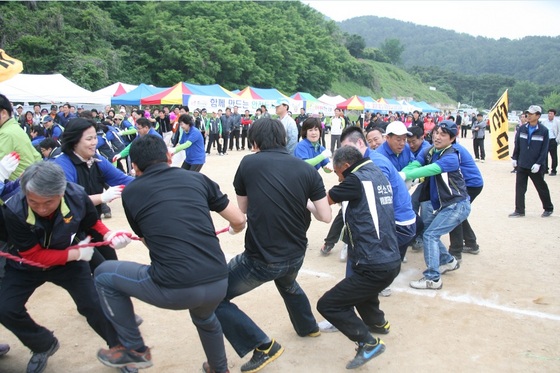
x=188, y=269
x=278, y=192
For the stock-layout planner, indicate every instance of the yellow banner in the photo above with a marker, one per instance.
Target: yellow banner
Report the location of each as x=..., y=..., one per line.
x=9, y=66
x=499, y=123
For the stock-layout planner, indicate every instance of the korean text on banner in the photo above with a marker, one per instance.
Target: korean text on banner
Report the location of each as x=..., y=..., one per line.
x=499, y=123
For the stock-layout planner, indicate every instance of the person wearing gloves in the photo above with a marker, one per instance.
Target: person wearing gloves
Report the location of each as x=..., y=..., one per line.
x=188, y=269
x=143, y=127
x=42, y=220
x=445, y=187
x=529, y=158
x=192, y=142
x=83, y=166
x=13, y=139
x=310, y=149
x=8, y=165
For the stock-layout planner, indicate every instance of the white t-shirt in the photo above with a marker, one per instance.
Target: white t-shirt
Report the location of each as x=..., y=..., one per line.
x=336, y=126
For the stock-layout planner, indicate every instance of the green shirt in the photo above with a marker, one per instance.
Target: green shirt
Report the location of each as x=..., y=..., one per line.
x=14, y=139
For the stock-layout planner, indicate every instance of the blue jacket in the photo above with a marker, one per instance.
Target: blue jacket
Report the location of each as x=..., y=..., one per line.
x=399, y=161
x=111, y=175
x=469, y=169
x=306, y=150
x=448, y=187
x=195, y=154
x=531, y=149
x=402, y=204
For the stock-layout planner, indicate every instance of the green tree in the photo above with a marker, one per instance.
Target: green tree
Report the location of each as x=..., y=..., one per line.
x=552, y=101
x=355, y=45
x=393, y=49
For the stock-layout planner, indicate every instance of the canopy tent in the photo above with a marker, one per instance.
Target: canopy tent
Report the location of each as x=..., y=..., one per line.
x=332, y=100
x=9, y=67
x=425, y=107
x=169, y=96
x=251, y=98
x=116, y=89
x=210, y=97
x=136, y=95
x=407, y=107
x=311, y=104
x=389, y=104
x=353, y=103
x=53, y=88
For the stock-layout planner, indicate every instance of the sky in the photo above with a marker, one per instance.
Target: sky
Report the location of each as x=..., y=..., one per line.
x=491, y=19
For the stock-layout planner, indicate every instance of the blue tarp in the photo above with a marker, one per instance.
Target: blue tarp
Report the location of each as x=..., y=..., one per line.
x=133, y=97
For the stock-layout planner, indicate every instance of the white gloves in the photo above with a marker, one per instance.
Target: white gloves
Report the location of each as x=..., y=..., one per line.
x=326, y=153
x=171, y=150
x=416, y=181
x=118, y=239
x=85, y=252
x=8, y=164
x=112, y=193
x=514, y=163
x=402, y=175
x=116, y=157
x=536, y=167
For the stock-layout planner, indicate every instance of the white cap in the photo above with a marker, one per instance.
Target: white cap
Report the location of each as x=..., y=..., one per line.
x=397, y=128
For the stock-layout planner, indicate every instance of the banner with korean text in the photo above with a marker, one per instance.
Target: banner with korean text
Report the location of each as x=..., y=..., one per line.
x=498, y=123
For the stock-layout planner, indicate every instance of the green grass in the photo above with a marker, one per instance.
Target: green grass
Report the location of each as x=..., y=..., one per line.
x=393, y=82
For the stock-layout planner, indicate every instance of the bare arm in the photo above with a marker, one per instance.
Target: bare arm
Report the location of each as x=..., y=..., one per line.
x=242, y=203
x=321, y=210
x=234, y=216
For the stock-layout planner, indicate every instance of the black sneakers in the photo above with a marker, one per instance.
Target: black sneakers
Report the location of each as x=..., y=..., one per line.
x=206, y=369
x=516, y=214
x=380, y=329
x=38, y=361
x=262, y=358
x=366, y=352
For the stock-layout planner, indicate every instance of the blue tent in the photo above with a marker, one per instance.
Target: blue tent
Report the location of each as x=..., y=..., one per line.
x=133, y=97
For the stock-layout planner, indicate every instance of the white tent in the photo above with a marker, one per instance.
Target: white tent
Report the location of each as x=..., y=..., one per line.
x=53, y=88
x=114, y=88
x=332, y=100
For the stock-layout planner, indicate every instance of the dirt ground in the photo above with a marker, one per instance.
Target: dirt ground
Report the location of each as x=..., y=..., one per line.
x=500, y=312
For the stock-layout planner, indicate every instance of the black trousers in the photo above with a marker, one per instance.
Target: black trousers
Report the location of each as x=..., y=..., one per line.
x=478, y=147
x=360, y=290
x=521, y=180
x=553, y=151
x=191, y=167
x=234, y=135
x=464, y=130
x=213, y=138
x=244, y=134
x=336, y=228
x=463, y=232
x=226, y=137
x=75, y=278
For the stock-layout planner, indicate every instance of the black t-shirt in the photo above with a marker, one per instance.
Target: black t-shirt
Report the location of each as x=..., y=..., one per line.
x=170, y=208
x=277, y=186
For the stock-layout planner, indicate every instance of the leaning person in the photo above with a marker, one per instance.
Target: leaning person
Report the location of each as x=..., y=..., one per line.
x=42, y=221
x=188, y=269
x=373, y=252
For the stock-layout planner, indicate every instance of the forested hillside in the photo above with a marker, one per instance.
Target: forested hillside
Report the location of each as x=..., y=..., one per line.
x=535, y=58
x=286, y=45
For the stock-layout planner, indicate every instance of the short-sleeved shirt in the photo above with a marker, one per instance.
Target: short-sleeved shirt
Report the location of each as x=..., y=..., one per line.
x=400, y=161
x=195, y=154
x=277, y=186
x=305, y=149
x=170, y=208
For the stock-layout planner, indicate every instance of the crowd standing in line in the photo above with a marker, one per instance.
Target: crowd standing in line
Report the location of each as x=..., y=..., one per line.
x=376, y=160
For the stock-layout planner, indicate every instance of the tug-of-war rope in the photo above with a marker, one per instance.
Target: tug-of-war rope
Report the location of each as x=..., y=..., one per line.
x=94, y=244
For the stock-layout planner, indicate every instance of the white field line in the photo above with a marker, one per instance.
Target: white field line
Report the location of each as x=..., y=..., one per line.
x=457, y=298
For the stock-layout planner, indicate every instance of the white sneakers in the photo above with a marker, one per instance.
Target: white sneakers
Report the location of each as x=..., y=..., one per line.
x=424, y=283
x=451, y=266
x=327, y=327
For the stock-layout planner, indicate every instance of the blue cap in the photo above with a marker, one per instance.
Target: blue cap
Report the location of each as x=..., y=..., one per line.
x=46, y=119
x=282, y=101
x=448, y=126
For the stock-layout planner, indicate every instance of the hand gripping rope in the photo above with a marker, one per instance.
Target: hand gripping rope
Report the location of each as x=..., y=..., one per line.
x=94, y=244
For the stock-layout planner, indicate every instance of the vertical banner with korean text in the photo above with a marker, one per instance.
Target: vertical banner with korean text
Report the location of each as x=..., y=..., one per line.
x=498, y=122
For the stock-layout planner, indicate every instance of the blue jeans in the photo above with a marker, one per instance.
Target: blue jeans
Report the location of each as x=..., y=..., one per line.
x=118, y=281
x=246, y=274
x=442, y=222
